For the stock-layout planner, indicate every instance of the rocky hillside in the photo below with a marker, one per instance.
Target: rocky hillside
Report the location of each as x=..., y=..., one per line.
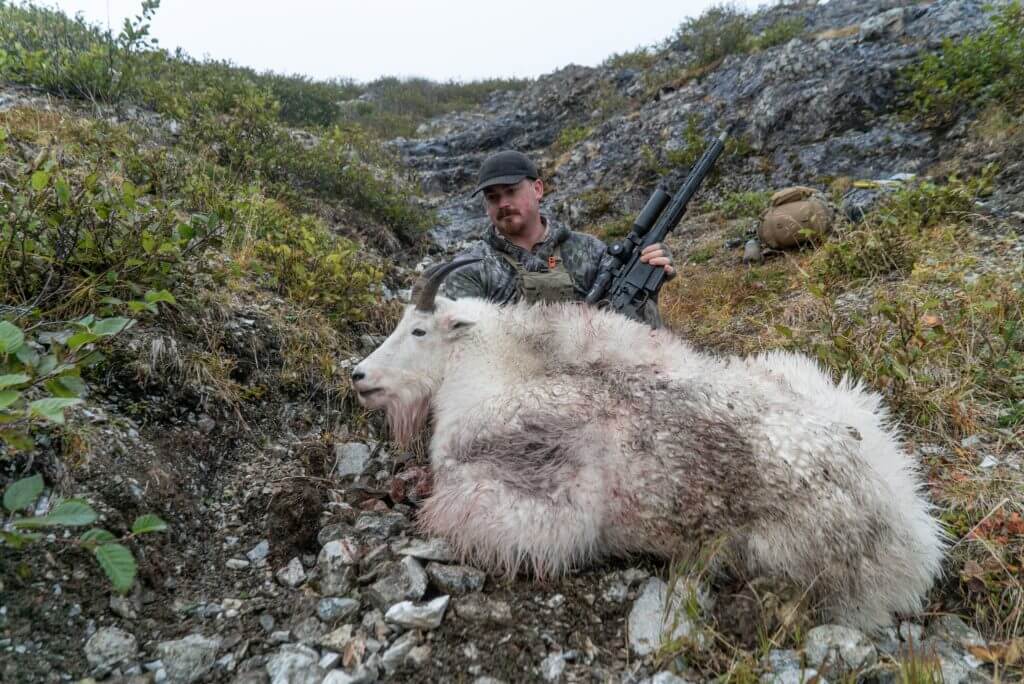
x=194, y=256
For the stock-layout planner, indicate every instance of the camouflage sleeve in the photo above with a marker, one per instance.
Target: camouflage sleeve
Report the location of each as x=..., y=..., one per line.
x=467, y=281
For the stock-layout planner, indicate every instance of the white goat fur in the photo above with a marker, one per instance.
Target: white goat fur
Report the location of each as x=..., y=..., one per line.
x=563, y=434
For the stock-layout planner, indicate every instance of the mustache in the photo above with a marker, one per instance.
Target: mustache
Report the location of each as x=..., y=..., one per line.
x=506, y=213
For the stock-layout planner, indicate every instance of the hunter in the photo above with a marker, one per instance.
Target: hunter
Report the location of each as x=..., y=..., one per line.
x=526, y=255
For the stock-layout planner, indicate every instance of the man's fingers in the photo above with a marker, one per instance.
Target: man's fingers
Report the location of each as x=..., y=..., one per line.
x=660, y=261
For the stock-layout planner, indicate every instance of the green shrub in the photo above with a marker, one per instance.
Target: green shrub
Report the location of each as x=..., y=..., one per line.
x=779, y=33
x=74, y=235
x=745, y=204
x=641, y=58
x=45, y=48
x=112, y=554
x=971, y=71
x=570, y=137
x=301, y=258
x=396, y=107
x=890, y=238
x=250, y=142
x=720, y=31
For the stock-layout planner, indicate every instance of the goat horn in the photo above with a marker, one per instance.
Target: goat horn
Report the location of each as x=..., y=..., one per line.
x=425, y=289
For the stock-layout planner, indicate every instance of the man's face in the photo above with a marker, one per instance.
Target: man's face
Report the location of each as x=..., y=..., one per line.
x=514, y=208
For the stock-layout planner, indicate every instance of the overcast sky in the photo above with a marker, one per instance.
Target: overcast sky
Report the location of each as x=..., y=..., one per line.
x=438, y=39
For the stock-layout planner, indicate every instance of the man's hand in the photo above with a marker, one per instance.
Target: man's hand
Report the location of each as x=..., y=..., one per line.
x=658, y=255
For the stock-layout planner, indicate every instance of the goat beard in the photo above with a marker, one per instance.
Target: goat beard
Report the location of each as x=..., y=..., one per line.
x=407, y=413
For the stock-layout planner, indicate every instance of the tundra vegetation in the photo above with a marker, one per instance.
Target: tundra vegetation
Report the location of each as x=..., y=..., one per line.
x=150, y=201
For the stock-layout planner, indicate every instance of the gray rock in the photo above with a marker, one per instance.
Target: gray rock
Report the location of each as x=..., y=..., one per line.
x=888, y=24
x=434, y=549
x=479, y=608
x=186, y=660
x=411, y=616
x=666, y=677
x=952, y=628
x=752, y=252
x=295, y=664
x=402, y=580
x=336, y=609
x=259, y=552
x=293, y=574
x=552, y=667
x=237, y=564
x=333, y=531
x=838, y=650
x=380, y=525
x=338, y=639
x=361, y=675
x=123, y=606
x=656, y=617
x=308, y=630
x=352, y=458
x=456, y=579
x=281, y=636
x=797, y=676
x=394, y=657
x=336, y=565
x=108, y=647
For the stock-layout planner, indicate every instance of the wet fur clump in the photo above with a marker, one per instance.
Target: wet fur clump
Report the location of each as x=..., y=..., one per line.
x=563, y=434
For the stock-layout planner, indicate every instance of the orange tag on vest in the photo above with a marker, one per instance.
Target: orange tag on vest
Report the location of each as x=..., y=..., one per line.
x=552, y=262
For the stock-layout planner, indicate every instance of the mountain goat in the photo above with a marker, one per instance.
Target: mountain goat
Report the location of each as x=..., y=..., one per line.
x=564, y=433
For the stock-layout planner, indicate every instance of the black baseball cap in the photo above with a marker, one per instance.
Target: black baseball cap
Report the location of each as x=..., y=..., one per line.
x=505, y=168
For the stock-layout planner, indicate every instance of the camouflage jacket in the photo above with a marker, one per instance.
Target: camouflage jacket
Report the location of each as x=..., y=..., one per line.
x=495, y=279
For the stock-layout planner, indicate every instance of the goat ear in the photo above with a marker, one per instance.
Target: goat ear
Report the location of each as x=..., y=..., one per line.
x=453, y=324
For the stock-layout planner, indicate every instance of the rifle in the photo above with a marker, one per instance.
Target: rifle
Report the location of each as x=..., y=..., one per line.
x=633, y=282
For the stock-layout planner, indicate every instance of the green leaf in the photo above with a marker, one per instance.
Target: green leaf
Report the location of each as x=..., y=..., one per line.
x=46, y=364
x=98, y=536
x=8, y=397
x=71, y=513
x=63, y=191
x=148, y=523
x=16, y=540
x=117, y=561
x=11, y=337
x=23, y=492
x=154, y=296
x=111, y=326
x=26, y=354
x=18, y=440
x=81, y=339
x=40, y=179
x=13, y=379
x=52, y=409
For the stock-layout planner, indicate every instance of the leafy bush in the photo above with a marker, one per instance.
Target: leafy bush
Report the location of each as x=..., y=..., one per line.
x=570, y=137
x=74, y=235
x=301, y=258
x=720, y=31
x=971, y=71
x=112, y=554
x=745, y=204
x=779, y=33
x=395, y=107
x=67, y=56
x=890, y=238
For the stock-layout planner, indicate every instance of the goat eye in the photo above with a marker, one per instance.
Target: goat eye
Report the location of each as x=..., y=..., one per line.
x=419, y=333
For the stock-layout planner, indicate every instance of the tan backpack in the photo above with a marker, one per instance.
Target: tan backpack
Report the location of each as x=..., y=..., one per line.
x=797, y=216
